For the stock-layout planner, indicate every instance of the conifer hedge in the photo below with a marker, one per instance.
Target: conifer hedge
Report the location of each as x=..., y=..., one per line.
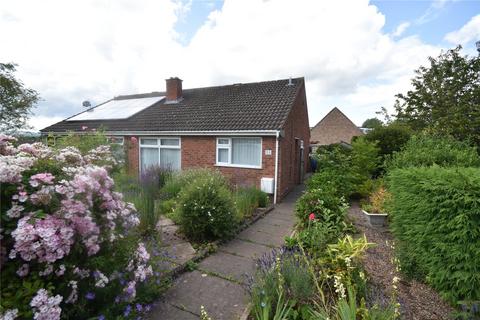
x=435, y=217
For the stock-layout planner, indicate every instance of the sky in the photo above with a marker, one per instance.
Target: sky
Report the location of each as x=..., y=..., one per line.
x=354, y=54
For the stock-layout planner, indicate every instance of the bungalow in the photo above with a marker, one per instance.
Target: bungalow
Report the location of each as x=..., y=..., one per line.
x=254, y=133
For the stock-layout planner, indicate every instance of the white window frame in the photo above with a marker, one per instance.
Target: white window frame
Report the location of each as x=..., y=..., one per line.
x=157, y=146
x=229, y=147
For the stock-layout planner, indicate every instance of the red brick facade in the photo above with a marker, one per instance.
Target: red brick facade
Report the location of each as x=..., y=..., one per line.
x=296, y=129
x=200, y=151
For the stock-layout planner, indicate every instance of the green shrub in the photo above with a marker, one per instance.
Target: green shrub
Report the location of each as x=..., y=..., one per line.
x=206, y=209
x=179, y=180
x=436, y=218
x=365, y=158
x=390, y=138
x=333, y=157
x=328, y=208
x=425, y=150
x=248, y=199
x=345, y=169
x=316, y=237
x=341, y=183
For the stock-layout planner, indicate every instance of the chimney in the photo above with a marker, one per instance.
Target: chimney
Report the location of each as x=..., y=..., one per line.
x=174, y=89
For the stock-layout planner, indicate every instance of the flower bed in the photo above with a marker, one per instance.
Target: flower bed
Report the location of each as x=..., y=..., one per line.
x=70, y=246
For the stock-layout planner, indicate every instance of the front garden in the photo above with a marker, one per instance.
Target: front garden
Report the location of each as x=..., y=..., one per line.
x=429, y=190
x=80, y=237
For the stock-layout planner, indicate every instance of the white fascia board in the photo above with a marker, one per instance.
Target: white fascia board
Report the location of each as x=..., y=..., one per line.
x=183, y=133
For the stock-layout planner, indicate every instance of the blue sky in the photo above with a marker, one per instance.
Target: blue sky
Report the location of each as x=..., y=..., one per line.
x=354, y=54
x=429, y=22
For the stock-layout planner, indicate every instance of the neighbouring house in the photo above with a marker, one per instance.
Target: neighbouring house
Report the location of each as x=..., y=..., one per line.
x=335, y=127
x=254, y=133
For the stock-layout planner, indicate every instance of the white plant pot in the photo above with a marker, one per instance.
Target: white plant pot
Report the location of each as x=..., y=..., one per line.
x=376, y=219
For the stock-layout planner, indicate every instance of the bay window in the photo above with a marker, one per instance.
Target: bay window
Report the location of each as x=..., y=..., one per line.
x=239, y=152
x=161, y=152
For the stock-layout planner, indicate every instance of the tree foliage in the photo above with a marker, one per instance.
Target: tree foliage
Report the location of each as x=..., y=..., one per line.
x=390, y=138
x=445, y=98
x=16, y=101
x=372, y=123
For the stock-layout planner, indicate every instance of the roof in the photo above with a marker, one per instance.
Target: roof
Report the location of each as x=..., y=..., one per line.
x=335, y=127
x=249, y=106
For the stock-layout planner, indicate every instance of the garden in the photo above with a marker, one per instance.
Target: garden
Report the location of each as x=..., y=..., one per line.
x=80, y=237
x=427, y=248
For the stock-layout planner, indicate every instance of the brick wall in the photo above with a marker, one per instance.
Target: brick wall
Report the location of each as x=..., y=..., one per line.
x=201, y=152
x=132, y=154
x=296, y=126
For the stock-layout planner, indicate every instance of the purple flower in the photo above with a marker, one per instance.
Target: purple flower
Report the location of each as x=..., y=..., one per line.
x=148, y=307
x=90, y=296
x=127, y=311
x=101, y=317
x=139, y=307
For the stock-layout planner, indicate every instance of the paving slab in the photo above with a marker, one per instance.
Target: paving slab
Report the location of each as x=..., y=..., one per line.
x=268, y=220
x=258, y=236
x=180, y=252
x=245, y=249
x=270, y=228
x=170, y=236
x=165, y=311
x=228, y=266
x=222, y=299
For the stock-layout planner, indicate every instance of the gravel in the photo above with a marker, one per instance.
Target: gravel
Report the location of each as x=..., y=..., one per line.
x=417, y=300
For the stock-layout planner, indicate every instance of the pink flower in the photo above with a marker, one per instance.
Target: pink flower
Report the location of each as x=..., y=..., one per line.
x=46, y=307
x=311, y=217
x=84, y=128
x=133, y=140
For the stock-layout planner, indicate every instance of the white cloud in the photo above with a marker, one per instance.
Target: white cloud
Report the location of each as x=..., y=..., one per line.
x=93, y=50
x=401, y=28
x=470, y=31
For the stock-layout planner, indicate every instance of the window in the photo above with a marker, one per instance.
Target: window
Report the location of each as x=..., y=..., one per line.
x=162, y=152
x=239, y=152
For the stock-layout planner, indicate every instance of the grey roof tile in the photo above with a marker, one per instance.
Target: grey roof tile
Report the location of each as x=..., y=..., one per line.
x=249, y=106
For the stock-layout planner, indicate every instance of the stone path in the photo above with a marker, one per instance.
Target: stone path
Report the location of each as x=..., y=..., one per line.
x=219, y=282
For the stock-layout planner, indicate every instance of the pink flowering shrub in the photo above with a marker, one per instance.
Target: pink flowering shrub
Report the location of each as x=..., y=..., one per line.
x=69, y=245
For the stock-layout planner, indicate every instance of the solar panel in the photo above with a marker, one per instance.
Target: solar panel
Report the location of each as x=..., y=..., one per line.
x=116, y=109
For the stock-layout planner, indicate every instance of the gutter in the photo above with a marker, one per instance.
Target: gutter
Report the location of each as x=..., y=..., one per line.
x=179, y=133
x=276, y=168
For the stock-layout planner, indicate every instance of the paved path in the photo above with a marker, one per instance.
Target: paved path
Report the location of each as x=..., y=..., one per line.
x=218, y=284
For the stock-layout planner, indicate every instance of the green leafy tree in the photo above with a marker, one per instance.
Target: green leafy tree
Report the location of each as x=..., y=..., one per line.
x=16, y=101
x=372, y=123
x=445, y=97
x=389, y=138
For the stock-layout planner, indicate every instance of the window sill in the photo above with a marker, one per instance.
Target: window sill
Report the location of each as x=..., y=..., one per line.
x=237, y=166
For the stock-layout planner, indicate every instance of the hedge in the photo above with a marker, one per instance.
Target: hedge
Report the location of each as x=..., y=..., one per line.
x=435, y=216
x=425, y=150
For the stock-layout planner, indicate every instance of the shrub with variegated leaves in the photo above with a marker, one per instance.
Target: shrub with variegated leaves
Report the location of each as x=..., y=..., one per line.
x=68, y=245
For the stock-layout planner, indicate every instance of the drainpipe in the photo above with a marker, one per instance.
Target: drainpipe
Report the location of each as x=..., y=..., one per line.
x=276, y=168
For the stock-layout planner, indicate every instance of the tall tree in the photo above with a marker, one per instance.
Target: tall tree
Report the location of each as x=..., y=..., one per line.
x=372, y=123
x=16, y=101
x=445, y=97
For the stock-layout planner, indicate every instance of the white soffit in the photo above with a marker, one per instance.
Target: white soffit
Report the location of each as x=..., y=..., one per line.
x=116, y=109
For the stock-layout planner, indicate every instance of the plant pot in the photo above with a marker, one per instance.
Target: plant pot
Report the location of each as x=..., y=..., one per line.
x=376, y=219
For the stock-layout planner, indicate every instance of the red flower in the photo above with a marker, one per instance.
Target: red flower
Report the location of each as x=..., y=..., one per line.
x=133, y=140
x=311, y=217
